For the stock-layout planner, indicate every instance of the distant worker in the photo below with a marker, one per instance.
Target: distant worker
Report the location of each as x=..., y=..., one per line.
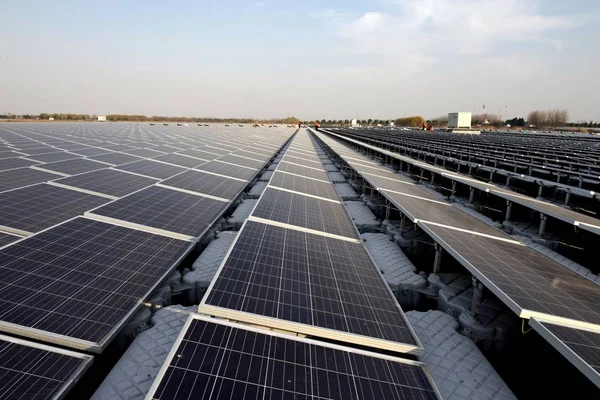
x=317, y=125
x=425, y=126
x=430, y=128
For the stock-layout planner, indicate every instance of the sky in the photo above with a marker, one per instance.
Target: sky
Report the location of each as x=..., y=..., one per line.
x=310, y=59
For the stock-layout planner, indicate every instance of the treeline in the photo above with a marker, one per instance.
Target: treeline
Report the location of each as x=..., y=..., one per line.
x=548, y=118
x=415, y=121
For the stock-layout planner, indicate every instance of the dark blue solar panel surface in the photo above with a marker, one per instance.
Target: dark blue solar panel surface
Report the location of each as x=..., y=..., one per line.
x=166, y=209
x=201, y=182
x=108, y=181
x=308, y=279
x=29, y=371
x=38, y=207
x=81, y=279
x=215, y=361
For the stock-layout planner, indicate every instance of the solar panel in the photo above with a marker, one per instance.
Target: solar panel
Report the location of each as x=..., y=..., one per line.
x=147, y=153
x=311, y=284
x=214, y=359
x=255, y=155
x=15, y=162
x=303, y=171
x=153, y=169
x=527, y=281
x=37, y=207
x=74, y=167
x=16, y=178
x=108, y=181
x=116, y=158
x=305, y=212
x=92, y=151
x=184, y=161
x=5, y=239
x=231, y=170
x=302, y=161
x=202, y=182
x=166, y=209
x=77, y=283
x=580, y=347
x=204, y=155
x=37, y=150
x=439, y=212
x=53, y=157
x=246, y=162
x=34, y=371
x=304, y=185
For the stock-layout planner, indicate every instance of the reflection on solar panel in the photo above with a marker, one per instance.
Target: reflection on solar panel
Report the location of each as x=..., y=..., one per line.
x=246, y=162
x=5, y=239
x=183, y=161
x=152, y=169
x=204, y=155
x=166, y=209
x=53, y=157
x=77, y=283
x=304, y=185
x=214, y=359
x=202, y=182
x=303, y=161
x=310, y=284
x=38, y=207
x=16, y=178
x=144, y=153
x=231, y=170
x=108, y=181
x=305, y=212
x=15, y=162
x=527, y=281
x=74, y=167
x=581, y=348
x=116, y=158
x=34, y=371
x=303, y=171
x=92, y=151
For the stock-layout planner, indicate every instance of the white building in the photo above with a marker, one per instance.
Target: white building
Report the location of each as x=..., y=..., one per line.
x=354, y=123
x=459, y=120
x=101, y=118
x=392, y=124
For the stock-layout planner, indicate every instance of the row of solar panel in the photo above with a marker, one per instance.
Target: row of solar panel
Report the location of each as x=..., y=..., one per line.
x=531, y=284
x=569, y=216
x=76, y=284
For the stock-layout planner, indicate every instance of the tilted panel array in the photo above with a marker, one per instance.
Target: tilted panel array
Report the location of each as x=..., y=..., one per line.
x=298, y=264
x=215, y=359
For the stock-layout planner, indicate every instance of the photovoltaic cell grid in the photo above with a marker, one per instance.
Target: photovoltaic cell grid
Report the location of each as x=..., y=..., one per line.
x=304, y=185
x=183, y=161
x=15, y=162
x=214, y=360
x=305, y=212
x=246, y=162
x=16, y=178
x=291, y=157
x=38, y=207
x=108, y=181
x=74, y=167
x=81, y=280
x=201, y=182
x=53, y=157
x=204, y=155
x=580, y=347
x=166, y=209
x=151, y=168
x=231, y=170
x=116, y=158
x=5, y=239
x=32, y=371
x=311, y=281
x=303, y=171
x=526, y=279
